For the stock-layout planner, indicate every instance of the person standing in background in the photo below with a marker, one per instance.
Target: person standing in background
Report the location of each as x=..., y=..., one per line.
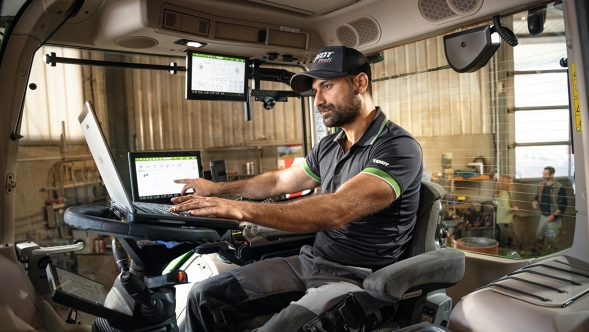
x=551, y=199
x=506, y=213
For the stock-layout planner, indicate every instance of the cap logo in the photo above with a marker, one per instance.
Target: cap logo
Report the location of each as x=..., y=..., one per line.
x=324, y=57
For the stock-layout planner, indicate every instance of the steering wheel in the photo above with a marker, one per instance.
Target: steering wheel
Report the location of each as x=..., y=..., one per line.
x=99, y=219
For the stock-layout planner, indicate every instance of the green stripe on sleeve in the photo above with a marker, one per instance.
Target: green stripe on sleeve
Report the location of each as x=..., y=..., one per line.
x=385, y=176
x=309, y=172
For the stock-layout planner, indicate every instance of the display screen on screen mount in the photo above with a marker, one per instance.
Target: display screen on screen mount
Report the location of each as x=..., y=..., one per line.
x=216, y=77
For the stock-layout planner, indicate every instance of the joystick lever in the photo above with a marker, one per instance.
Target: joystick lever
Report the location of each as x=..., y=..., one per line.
x=135, y=287
x=151, y=308
x=120, y=255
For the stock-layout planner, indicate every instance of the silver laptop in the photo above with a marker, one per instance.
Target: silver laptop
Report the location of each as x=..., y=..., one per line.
x=148, y=211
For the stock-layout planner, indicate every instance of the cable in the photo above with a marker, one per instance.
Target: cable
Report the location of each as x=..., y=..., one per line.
x=504, y=32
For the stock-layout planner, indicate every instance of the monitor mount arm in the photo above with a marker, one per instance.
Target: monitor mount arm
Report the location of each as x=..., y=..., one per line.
x=267, y=97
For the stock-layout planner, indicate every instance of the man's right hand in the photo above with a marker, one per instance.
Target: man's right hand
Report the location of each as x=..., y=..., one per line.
x=535, y=205
x=201, y=187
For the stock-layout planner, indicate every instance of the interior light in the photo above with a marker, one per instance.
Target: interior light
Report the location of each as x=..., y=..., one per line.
x=190, y=43
x=195, y=44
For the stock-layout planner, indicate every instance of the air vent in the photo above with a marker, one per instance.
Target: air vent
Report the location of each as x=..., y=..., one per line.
x=441, y=11
x=171, y=21
x=465, y=7
x=347, y=36
x=368, y=30
x=203, y=27
x=435, y=10
x=186, y=23
x=174, y=20
x=359, y=32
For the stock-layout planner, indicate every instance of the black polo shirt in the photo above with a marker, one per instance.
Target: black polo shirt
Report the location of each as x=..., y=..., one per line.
x=390, y=153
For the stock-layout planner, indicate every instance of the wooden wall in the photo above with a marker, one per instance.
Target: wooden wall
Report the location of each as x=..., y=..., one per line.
x=446, y=111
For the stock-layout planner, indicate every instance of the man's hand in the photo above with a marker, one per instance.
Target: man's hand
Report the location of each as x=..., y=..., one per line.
x=201, y=187
x=207, y=206
x=550, y=218
x=535, y=205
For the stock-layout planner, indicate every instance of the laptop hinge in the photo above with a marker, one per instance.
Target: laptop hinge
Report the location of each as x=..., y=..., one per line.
x=120, y=211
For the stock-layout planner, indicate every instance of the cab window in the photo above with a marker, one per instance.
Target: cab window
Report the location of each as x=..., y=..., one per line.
x=510, y=118
x=138, y=110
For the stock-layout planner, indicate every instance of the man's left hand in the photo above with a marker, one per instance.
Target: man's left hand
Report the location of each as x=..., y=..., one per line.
x=550, y=218
x=207, y=206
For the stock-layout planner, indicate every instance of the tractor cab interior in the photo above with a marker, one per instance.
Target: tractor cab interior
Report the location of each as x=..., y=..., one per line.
x=146, y=296
x=105, y=103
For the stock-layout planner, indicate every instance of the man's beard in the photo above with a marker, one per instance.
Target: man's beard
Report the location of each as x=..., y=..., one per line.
x=344, y=114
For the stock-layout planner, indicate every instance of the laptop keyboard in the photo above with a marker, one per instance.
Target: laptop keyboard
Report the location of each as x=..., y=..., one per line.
x=155, y=208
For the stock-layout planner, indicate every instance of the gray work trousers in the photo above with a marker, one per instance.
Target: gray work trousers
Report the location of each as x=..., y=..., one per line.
x=550, y=230
x=294, y=290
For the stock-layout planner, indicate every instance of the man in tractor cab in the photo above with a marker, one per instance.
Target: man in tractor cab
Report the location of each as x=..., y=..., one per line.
x=370, y=176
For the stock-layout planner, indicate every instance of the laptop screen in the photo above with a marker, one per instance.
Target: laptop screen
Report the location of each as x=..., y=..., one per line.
x=153, y=174
x=103, y=158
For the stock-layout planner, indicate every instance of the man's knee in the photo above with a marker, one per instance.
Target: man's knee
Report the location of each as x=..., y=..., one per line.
x=215, y=293
x=197, y=290
x=211, y=302
x=202, y=286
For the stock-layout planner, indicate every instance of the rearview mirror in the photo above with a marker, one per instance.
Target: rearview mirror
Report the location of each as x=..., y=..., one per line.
x=467, y=51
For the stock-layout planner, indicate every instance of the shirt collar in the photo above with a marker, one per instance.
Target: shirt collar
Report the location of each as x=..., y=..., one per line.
x=375, y=127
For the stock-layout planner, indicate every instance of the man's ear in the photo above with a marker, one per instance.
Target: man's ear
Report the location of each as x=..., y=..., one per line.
x=361, y=82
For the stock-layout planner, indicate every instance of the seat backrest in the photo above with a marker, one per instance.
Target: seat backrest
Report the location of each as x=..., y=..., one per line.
x=429, y=216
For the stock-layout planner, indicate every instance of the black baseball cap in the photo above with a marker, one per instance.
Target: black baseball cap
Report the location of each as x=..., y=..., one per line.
x=331, y=62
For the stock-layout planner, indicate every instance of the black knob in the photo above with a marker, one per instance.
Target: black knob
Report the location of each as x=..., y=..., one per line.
x=443, y=234
x=268, y=103
x=153, y=310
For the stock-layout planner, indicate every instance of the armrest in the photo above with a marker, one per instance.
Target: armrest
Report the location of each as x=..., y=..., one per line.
x=431, y=270
x=260, y=235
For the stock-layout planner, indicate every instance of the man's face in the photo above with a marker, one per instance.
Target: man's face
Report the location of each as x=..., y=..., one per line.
x=546, y=175
x=336, y=100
